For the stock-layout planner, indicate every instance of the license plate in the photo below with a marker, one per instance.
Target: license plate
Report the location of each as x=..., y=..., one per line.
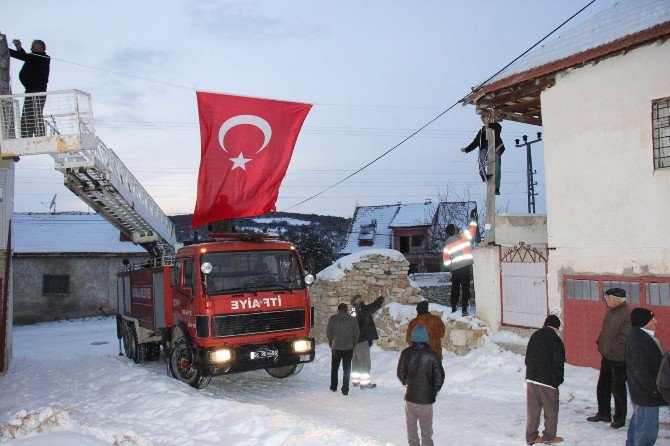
x=263, y=354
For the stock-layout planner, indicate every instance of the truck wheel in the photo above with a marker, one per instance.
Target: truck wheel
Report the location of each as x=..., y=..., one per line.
x=138, y=351
x=129, y=343
x=185, y=370
x=285, y=371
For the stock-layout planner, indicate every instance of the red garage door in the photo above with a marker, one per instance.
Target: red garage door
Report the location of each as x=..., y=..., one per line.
x=584, y=311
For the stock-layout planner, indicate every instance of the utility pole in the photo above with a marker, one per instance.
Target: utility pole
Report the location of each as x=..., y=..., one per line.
x=529, y=170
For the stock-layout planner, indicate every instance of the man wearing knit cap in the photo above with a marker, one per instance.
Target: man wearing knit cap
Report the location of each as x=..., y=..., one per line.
x=612, y=347
x=420, y=369
x=545, y=360
x=433, y=324
x=361, y=362
x=643, y=361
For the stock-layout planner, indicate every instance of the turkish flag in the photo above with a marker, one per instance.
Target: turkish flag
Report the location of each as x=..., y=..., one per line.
x=246, y=145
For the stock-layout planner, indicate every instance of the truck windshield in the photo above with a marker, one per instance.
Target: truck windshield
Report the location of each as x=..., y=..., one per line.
x=242, y=271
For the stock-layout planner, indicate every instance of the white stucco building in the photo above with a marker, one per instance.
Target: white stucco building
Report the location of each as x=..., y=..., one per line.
x=601, y=92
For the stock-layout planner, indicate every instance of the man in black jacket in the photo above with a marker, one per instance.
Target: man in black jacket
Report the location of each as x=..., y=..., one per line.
x=420, y=369
x=643, y=361
x=34, y=76
x=361, y=363
x=663, y=379
x=342, y=333
x=545, y=360
x=483, y=144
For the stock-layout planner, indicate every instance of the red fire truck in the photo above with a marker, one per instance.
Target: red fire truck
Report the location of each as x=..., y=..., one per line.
x=236, y=304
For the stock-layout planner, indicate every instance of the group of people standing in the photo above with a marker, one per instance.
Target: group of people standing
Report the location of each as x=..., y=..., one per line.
x=630, y=353
x=350, y=337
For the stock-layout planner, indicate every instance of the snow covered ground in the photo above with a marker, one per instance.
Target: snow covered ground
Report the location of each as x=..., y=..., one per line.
x=68, y=386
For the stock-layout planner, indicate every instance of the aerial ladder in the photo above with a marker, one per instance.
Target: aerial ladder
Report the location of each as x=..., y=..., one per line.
x=65, y=130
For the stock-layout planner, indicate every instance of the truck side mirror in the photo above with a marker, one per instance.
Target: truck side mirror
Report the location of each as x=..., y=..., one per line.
x=174, y=277
x=309, y=279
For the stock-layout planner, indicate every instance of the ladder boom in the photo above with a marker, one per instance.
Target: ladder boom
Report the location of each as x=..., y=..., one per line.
x=91, y=170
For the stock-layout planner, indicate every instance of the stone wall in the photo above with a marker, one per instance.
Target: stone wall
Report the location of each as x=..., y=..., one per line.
x=367, y=274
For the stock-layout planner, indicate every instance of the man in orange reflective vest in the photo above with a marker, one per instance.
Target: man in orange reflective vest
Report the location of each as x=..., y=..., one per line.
x=458, y=258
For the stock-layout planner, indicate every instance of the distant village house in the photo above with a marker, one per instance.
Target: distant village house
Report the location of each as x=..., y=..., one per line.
x=417, y=230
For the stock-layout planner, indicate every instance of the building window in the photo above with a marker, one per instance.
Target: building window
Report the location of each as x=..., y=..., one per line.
x=404, y=244
x=653, y=291
x=55, y=285
x=363, y=242
x=657, y=293
x=660, y=118
x=417, y=240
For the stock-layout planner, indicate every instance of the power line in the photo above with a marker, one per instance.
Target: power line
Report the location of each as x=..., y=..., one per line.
x=441, y=114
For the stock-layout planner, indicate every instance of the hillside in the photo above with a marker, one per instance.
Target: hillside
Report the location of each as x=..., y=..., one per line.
x=318, y=237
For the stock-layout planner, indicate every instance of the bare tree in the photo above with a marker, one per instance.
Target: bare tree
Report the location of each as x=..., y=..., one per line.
x=452, y=208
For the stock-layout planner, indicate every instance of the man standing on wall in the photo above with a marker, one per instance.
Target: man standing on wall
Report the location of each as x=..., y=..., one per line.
x=34, y=76
x=545, y=362
x=612, y=347
x=361, y=363
x=342, y=334
x=643, y=361
x=458, y=259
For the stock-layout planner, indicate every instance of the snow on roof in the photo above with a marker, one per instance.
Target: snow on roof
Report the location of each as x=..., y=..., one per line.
x=287, y=220
x=365, y=216
x=67, y=233
x=335, y=271
x=387, y=217
x=623, y=18
x=414, y=214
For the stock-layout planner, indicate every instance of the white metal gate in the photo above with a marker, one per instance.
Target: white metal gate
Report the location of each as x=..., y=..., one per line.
x=523, y=274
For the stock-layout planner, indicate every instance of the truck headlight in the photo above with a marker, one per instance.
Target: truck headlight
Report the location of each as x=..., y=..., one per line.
x=302, y=346
x=222, y=355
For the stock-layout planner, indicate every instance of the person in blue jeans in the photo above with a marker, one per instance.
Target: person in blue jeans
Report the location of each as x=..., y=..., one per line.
x=643, y=361
x=483, y=144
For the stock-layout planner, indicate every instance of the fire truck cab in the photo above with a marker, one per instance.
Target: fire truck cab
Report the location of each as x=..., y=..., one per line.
x=236, y=304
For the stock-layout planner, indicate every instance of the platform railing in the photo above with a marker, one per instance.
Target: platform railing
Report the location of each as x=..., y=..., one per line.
x=53, y=121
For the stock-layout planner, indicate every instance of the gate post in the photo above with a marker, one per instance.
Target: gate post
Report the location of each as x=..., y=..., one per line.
x=6, y=211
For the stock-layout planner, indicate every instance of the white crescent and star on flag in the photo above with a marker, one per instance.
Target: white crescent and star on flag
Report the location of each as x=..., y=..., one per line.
x=240, y=161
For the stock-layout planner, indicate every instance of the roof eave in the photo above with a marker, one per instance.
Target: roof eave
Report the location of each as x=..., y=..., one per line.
x=661, y=31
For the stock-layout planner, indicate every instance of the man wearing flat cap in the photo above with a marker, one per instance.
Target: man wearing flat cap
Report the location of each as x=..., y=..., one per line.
x=361, y=363
x=643, y=361
x=612, y=347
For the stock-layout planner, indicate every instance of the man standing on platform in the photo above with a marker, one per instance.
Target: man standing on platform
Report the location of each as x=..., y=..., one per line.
x=34, y=76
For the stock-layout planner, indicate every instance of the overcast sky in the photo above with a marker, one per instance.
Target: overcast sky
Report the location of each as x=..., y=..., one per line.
x=375, y=70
